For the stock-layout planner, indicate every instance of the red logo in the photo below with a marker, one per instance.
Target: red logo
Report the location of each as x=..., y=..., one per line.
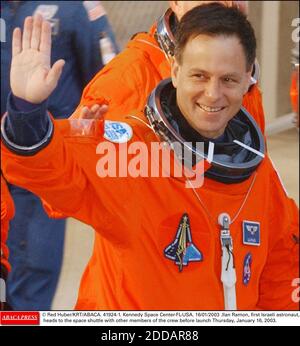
x=20, y=317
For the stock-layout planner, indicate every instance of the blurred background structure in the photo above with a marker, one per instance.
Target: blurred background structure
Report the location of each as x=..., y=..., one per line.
x=273, y=23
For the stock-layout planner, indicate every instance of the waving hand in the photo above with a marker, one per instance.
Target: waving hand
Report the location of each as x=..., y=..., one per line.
x=31, y=77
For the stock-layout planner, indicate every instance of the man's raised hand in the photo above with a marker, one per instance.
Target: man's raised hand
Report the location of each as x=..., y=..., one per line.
x=31, y=76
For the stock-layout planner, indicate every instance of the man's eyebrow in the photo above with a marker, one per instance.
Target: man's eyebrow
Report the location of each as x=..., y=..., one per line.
x=196, y=70
x=230, y=74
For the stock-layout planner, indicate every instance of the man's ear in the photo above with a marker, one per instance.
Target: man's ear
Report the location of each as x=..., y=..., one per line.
x=174, y=72
x=248, y=81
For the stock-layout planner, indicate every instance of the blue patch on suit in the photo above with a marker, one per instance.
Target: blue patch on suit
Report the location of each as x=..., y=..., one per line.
x=247, y=268
x=251, y=233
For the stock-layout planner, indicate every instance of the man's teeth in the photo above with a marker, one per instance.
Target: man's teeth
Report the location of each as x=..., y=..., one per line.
x=210, y=109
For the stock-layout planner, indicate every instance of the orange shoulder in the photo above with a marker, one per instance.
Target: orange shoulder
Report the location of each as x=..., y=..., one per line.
x=253, y=103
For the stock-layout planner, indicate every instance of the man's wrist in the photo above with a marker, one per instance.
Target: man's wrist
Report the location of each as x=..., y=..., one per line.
x=23, y=105
x=26, y=131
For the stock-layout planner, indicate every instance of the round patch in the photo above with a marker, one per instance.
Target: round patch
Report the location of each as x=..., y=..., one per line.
x=117, y=132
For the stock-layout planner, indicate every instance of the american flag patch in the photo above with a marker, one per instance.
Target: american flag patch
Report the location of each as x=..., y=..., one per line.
x=94, y=9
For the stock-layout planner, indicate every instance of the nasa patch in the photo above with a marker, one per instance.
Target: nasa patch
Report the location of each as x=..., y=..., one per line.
x=251, y=233
x=117, y=132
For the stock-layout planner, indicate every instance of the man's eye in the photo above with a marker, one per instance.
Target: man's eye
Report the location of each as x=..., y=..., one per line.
x=229, y=80
x=199, y=76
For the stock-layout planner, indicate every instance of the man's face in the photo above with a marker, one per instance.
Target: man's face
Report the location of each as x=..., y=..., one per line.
x=180, y=8
x=211, y=82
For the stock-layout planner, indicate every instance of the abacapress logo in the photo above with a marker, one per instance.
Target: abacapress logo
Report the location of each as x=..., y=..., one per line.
x=20, y=318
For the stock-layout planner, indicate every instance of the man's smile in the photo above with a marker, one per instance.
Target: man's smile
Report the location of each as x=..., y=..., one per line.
x=208, y=109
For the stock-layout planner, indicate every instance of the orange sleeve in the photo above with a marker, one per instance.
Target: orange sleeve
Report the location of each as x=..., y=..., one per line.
x=65, y=174
x=277, y=291
x=54, y=175
x=253, y=103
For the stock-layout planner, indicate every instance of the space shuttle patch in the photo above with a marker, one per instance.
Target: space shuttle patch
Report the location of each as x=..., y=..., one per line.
x=182, y=250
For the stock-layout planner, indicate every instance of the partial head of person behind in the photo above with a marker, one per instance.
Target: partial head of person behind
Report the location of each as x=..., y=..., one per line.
x=215, y=49
x=168, y=22
x=180, y=8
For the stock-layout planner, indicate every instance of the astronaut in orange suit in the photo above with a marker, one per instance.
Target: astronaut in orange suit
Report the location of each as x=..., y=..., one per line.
x=125, y=83
x=232, y=243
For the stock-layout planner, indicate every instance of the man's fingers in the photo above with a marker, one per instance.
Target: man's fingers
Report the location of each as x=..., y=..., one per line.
x=95, y=112
x=45, y=46
x=101, y=111
x=27, y=31
x=84, y=114
x=98, y=111
x=16, y=42
x=95, y=108
x=54, y=73
x=87, y=113
x=36, y=32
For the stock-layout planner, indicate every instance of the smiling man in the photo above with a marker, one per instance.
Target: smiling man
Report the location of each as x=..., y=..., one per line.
x=231, y=244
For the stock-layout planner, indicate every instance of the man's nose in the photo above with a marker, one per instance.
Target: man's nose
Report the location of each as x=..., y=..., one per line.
x=213, y=90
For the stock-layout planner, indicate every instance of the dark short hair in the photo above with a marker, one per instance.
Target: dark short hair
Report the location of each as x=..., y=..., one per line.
x=215, y=19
